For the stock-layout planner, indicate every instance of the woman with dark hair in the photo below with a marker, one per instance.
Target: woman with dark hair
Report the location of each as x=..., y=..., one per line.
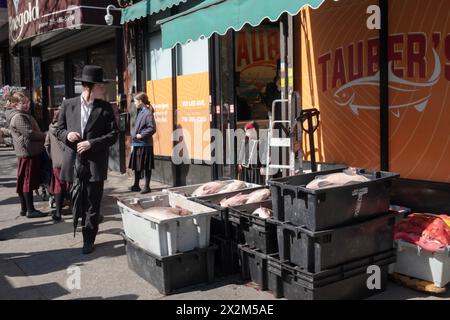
x=28, y=144
x=142, y=157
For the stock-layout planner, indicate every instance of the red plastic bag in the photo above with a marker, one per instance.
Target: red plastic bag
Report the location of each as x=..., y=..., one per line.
x=431, y=232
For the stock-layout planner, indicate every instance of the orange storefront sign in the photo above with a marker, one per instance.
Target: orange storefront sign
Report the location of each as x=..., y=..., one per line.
x=160, y=96
x=420, y=132
x=193, y=115
x=340, y=76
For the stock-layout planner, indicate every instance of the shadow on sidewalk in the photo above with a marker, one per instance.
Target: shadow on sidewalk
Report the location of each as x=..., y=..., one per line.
x=15, y=199
x=8, y=185
x=9, y=201
x=53, y=290
x=36, y=229
x=44, y=262
x=8, y=179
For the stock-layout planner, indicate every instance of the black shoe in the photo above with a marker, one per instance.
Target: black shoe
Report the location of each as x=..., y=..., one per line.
x=36, y=214
x=88, y=248
x=23, y=213
x=134, y=189
x=56, y=217
x=146, y=190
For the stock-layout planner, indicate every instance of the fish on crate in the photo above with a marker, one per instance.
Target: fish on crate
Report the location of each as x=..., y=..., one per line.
x=208, y=188
x=258, y=196
x=347, y=177
x=237, y=200
x=163, y=213
x=234, y=186
x=263, y=213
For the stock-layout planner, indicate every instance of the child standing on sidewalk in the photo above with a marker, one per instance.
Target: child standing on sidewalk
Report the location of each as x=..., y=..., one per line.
x=55, y=150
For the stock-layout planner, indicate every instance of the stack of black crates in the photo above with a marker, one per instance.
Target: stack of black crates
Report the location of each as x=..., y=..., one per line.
x=332, y=243
x=235, y=226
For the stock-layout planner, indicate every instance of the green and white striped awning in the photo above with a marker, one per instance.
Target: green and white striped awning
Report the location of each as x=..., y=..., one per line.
x=147, y=7
x=219, y=16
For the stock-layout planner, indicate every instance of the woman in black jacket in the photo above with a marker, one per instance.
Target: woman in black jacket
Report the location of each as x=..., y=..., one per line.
x=142, y=157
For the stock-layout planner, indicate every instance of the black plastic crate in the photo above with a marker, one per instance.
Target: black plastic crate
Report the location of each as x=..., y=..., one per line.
x=220, y=225
x=226, y=258
x=349, y=281
x=330, y=207
x=317, y=251
x=171, y=273
x=257, y=232
x=253, y=265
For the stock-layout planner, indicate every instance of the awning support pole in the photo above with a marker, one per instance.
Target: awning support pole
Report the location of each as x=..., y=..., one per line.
x=384, y=86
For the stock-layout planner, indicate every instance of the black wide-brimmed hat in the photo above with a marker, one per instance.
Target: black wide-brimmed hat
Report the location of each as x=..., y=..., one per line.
x=92, y=74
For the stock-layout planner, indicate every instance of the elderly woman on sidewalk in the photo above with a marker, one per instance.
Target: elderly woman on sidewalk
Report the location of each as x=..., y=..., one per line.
x=29, y=144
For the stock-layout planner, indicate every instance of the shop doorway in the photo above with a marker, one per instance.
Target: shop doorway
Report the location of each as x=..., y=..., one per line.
x=247, y=80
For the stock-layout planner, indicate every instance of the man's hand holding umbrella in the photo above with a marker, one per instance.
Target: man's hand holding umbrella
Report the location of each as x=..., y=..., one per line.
x=81, y=146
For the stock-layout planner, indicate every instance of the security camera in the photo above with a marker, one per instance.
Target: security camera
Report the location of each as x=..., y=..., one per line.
x=109, y=19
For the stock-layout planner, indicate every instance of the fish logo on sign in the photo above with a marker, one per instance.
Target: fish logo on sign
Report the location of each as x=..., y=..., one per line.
x=16, y=5
x=347, y=95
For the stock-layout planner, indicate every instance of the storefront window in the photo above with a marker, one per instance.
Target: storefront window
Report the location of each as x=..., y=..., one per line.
x=78, y=62
x=257, y=54
x=105, y=56
x=57, y=83
x=159, y=90
x=15, y=71
x=159, y=64
x=193, y=99
x=193, y=57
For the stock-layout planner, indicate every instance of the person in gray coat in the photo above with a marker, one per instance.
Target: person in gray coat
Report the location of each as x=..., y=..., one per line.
x=28, y=142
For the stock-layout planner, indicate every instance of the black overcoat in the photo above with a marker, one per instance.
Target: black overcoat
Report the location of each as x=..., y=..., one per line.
x=101, y=131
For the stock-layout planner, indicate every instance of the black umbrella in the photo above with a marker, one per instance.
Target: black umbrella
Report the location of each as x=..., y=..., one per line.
x=79, y=192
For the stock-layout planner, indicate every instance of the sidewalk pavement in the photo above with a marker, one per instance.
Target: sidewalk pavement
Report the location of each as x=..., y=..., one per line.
x=35, y=255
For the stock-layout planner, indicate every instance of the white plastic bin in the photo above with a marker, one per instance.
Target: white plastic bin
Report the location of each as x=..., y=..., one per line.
x=416, y=262
x=169, y=236
x=186, y=191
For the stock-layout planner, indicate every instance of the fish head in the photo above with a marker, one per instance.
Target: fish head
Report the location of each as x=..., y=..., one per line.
x=345, y=96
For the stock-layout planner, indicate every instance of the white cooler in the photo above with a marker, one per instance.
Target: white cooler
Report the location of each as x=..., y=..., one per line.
x=416, y=262
x=169, y=236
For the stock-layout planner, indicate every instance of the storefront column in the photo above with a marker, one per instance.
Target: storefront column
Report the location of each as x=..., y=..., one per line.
x=121, y=97
x=287, y=75
x=384, y=87
x=215, y=92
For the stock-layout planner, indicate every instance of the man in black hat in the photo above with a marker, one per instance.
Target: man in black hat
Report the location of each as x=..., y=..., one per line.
x=88, y=127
